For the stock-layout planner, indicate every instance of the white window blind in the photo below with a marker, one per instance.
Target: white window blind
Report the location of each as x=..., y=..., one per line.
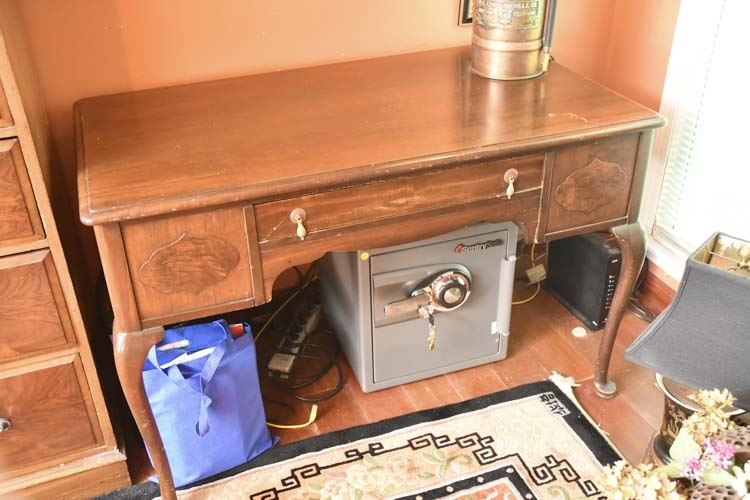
x=706, y=180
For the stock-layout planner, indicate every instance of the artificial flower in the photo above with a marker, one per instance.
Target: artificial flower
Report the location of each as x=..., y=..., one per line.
x=741, y=481
x=719, y=453
x=621, y=481
x=693, y=469
x=713, y=417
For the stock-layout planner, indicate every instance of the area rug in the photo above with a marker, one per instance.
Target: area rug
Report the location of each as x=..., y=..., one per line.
x=530, y=442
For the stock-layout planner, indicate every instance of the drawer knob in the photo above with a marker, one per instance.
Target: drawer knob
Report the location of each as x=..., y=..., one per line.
x=510, y=178
x=4, y=424
x=298, y=217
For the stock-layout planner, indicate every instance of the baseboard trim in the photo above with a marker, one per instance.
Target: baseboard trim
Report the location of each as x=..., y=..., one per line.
x=79, y=479
x=658, y=289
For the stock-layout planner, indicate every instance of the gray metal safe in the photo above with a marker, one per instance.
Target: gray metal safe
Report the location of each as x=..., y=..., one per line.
x=379, y=301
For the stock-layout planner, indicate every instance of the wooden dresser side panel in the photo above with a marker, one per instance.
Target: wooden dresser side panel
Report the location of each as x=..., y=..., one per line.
x=189, y=264
x=590, y=184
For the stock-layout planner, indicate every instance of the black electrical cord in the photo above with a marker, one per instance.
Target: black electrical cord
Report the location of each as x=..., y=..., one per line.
x=306, y=350
x=311, y=351
x=280, y=403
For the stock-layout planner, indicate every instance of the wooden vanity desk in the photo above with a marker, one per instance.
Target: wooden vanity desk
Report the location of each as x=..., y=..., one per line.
x=191, y=189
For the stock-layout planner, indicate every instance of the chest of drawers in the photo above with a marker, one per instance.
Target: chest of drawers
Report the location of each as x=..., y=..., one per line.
x=56, y=439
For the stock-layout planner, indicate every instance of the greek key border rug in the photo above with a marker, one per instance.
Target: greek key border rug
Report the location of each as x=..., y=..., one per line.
x=530, y=442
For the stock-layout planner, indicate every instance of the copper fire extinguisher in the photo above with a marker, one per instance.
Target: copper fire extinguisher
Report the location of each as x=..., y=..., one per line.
x=512, y=39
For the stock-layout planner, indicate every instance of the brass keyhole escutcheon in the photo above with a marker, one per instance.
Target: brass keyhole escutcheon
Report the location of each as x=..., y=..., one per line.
x=510, y=177
x=298, y=216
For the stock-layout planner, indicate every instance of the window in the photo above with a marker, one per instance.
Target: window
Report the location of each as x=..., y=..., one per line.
x=700, y=174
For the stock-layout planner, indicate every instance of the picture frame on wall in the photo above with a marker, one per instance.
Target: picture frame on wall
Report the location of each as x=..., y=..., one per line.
x=465, y=11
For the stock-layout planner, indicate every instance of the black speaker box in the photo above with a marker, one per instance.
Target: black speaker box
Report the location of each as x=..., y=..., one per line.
x=583, y=273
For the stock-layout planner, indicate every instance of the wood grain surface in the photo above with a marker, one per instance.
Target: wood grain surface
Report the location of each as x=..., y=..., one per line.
x=284, y=133
x=188, y=261
x=19, y=217
x=94, y=477
x=52, y=388
x=391, y=198
x=180, y=181
x=49, y=418
x=279, y=255
x=6, y=119
x=33, y=316
x=591, y=182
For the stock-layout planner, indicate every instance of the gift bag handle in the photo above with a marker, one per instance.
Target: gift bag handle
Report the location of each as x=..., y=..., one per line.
x=207, y=373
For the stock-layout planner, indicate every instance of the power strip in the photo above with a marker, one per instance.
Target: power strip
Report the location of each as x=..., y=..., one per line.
x=282, y=363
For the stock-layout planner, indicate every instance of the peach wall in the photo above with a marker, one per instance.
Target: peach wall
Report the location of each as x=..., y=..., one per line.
x=92, y=47
x=640, y=42
x=582, y=34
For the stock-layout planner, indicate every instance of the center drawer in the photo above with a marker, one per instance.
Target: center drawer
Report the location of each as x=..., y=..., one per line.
x=394, y=197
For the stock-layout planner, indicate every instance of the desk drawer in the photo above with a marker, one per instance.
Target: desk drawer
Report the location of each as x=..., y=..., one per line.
x=191, y=265
x=46, y=416
x=19, y=218
x=591, y=184
x=395, y=197
x=33, y=316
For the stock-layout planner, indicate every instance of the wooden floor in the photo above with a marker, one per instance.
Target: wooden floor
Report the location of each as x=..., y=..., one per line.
x=540, y=343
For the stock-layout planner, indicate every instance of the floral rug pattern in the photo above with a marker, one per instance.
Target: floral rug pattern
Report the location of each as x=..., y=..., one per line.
x=537, y=445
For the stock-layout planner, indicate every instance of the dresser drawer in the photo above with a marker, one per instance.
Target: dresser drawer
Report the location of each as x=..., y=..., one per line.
x=395, y=197
x=6, y=119
x=33, y=315
x=19, y=218
x=47, y=416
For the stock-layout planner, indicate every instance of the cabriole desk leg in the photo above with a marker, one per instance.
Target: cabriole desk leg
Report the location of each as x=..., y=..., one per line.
x=632, y=241
x=131, y=349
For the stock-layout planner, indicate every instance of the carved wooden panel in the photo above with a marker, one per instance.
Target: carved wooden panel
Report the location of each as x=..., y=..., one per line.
x=188, y=262
x=591, y=187
x=33, y=316
x=19, y=218
x=591, y=183
x=49, y=416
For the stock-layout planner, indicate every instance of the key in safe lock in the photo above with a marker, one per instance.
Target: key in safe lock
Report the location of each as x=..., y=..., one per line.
x=381, y=302
x=443, y=292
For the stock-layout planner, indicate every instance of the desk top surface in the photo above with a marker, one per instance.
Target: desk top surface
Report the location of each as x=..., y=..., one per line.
x=276, y=134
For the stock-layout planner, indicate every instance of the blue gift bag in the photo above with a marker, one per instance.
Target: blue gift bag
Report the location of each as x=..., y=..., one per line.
x=208, y=409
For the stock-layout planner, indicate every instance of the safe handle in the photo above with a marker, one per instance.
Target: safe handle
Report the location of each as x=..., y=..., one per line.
x=407, y=306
